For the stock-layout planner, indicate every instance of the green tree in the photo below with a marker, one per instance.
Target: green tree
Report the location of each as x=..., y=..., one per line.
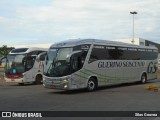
x=4, y=50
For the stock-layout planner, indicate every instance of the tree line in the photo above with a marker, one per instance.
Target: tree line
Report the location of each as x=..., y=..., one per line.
x=4, y=50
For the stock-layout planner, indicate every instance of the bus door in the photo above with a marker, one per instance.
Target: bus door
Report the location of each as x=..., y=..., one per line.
x=40, y=61
x=76, y=61
x=29, y=63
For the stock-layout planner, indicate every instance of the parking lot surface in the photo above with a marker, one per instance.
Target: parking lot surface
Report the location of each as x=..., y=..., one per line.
x=125, y=97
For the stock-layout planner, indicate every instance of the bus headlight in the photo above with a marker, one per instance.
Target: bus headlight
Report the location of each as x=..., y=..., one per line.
x=65, y=86
x=65, y=81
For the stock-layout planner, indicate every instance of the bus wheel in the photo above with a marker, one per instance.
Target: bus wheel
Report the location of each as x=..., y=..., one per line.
x=92, y=84
x=143, y=78
x=38, y=79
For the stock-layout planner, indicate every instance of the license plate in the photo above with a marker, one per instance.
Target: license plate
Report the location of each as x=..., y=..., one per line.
x=12, y=79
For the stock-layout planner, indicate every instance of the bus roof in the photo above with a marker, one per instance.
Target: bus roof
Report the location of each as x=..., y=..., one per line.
x=75, y=42
x=26, y=50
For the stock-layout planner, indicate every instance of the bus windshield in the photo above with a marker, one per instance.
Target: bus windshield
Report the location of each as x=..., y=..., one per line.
x=18, y=63
x=56, y=64
x=14, y=63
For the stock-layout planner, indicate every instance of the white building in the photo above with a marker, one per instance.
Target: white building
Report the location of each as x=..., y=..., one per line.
x=136, y=41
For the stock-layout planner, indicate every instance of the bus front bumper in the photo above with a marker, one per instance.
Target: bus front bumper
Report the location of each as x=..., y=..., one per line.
x=18, y=80
x=56, y=83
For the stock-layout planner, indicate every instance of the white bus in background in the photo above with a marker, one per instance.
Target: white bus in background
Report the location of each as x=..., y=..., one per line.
x=90, y=63
x=23, y=66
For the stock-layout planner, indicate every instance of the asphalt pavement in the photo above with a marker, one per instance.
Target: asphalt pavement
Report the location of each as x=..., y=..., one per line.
x=125, y=97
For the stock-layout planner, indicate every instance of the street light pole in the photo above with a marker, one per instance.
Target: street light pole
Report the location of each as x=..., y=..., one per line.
x=133, y=13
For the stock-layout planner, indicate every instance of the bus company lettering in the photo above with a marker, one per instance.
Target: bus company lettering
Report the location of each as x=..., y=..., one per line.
x=118, y=64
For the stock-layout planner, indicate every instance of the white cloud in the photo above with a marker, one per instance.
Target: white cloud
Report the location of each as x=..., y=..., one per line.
x=105, y=19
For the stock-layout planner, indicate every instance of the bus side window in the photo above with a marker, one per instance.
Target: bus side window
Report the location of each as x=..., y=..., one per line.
x=115, y=54
x=78, y=60
x=98, y=54
x=42, y=57
x=30, y=62
x=93, y=58
x=82, y=58
x=75, y=63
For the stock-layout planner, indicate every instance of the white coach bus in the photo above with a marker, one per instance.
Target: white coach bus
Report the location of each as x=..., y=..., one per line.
x=23, y=66
x=90, y=63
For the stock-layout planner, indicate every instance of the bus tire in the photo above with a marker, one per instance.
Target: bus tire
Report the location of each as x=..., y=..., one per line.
x=38, y=79
x=143, y=78
x=92, y=84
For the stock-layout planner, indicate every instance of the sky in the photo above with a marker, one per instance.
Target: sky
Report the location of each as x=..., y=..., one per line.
x=27, y=22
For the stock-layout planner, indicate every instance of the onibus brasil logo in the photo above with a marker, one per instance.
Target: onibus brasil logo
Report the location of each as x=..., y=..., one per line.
x=21, y=114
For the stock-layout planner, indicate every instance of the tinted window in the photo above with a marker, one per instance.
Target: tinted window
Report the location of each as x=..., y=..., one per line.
x=132, y=54
x=121, y=53
x=81, y=47
x=148, y=55
x=40, y=52
x=98, y=53
x=19, y=50
x=114, y=54
x=33, y=53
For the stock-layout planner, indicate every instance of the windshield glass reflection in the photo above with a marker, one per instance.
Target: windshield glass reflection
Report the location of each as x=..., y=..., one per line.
x=19, y=63
x=56, y=64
